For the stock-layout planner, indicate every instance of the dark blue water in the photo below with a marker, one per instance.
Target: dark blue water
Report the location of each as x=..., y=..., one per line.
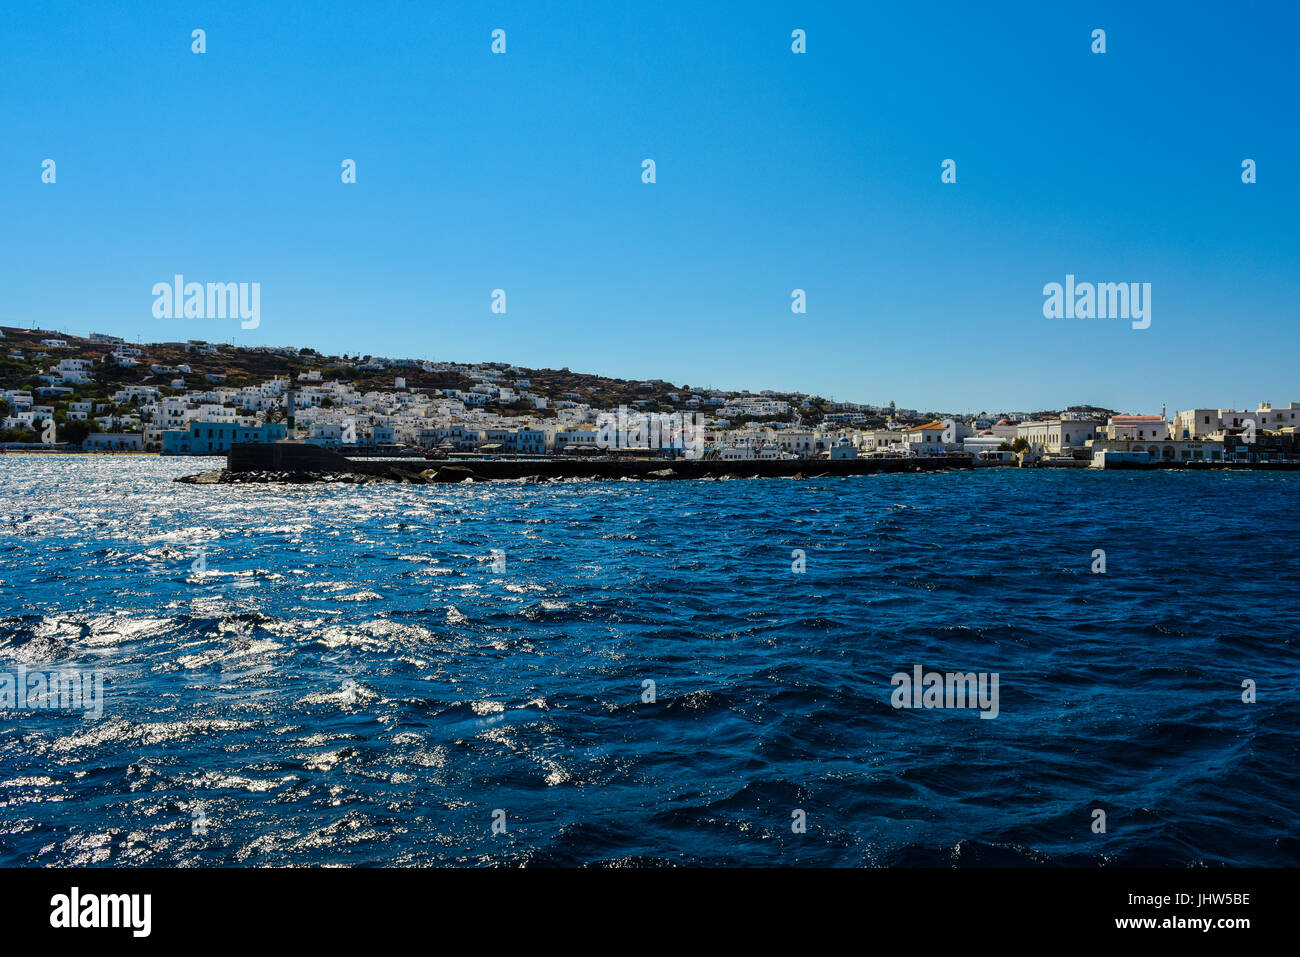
x=352, y=681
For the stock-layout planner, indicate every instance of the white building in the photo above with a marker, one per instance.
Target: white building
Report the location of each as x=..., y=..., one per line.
x=1156, y=450
x=1141, y=427
x=73, y=371
x=1057, y=436
x=843, y=449
x=578, y=438
x=1280, y=418
x=113, y=442
x=975, y=444
x=934, y=438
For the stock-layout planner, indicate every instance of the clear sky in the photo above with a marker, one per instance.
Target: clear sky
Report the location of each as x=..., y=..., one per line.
x=775, y=171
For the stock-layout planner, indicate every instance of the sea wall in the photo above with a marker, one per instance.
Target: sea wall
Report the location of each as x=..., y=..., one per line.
x=300, y=457
x=1201, y=466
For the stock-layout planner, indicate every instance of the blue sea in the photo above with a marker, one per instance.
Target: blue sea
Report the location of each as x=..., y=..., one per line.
x=647, y=674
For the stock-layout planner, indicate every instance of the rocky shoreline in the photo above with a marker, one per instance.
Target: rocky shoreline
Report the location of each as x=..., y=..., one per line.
x=447, y=475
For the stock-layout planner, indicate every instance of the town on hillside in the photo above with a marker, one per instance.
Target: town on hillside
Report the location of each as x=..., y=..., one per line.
x=100, y=393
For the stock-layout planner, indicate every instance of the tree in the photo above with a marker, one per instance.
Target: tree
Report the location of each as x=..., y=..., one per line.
x=75, y=431
x=1020, y=445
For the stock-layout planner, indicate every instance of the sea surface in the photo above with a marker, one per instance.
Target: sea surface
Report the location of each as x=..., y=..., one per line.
x=320, y=675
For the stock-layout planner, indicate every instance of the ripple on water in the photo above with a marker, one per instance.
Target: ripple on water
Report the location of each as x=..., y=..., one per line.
x=352, y=677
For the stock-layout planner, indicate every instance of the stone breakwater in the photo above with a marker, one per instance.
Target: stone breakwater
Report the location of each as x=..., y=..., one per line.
x=227, y=477
x=488, y=471
x=299, y=463
x=447, y=475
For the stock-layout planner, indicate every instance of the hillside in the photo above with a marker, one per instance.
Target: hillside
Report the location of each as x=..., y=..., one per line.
x=248, y=366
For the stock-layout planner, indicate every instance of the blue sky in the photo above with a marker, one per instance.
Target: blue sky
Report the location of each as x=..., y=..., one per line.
x=775, y=171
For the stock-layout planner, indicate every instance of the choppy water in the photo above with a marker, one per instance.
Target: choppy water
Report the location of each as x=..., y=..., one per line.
x=352, y=681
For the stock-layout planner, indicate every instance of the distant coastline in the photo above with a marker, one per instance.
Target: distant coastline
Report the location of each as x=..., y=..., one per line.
x=196, y=398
